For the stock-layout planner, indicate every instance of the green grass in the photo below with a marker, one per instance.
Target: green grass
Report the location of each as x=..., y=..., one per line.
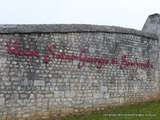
x=143, y=109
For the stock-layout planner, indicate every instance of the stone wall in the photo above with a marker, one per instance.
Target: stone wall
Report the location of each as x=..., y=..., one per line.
x=152, y=25
x=52, y=67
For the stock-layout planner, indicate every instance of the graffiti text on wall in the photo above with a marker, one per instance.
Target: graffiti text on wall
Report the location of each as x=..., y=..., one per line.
x=15, y=49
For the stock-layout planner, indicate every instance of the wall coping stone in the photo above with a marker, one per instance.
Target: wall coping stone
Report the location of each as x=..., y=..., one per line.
x=70, y=28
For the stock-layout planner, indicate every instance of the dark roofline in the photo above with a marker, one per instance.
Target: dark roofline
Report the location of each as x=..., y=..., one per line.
x=69, y=28
x=155, y=14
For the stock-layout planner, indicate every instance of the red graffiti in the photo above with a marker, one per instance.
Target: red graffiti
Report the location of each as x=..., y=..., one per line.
x=51, y=50
x=114, y=61
x=14, y=48
x=127, y=63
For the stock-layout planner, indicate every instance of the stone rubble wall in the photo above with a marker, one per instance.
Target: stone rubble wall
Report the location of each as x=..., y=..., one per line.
x=52, y=67
x=152, y=25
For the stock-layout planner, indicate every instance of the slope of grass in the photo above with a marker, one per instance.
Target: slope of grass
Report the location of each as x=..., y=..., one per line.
x=142, y=111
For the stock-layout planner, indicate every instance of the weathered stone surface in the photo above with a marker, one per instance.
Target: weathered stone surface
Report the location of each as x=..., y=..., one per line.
x=52, y=67
x=152, y=25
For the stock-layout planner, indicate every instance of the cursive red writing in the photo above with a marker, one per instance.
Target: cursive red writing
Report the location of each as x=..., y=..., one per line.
x=14, y=48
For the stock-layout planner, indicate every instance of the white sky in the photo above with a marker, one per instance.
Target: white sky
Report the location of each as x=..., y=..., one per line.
x=125, y=13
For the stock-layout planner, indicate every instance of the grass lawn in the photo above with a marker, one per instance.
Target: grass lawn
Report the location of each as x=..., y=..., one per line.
x=142, y=111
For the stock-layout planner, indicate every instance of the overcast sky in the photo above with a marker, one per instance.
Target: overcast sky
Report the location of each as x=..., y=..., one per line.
x=125, y=13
